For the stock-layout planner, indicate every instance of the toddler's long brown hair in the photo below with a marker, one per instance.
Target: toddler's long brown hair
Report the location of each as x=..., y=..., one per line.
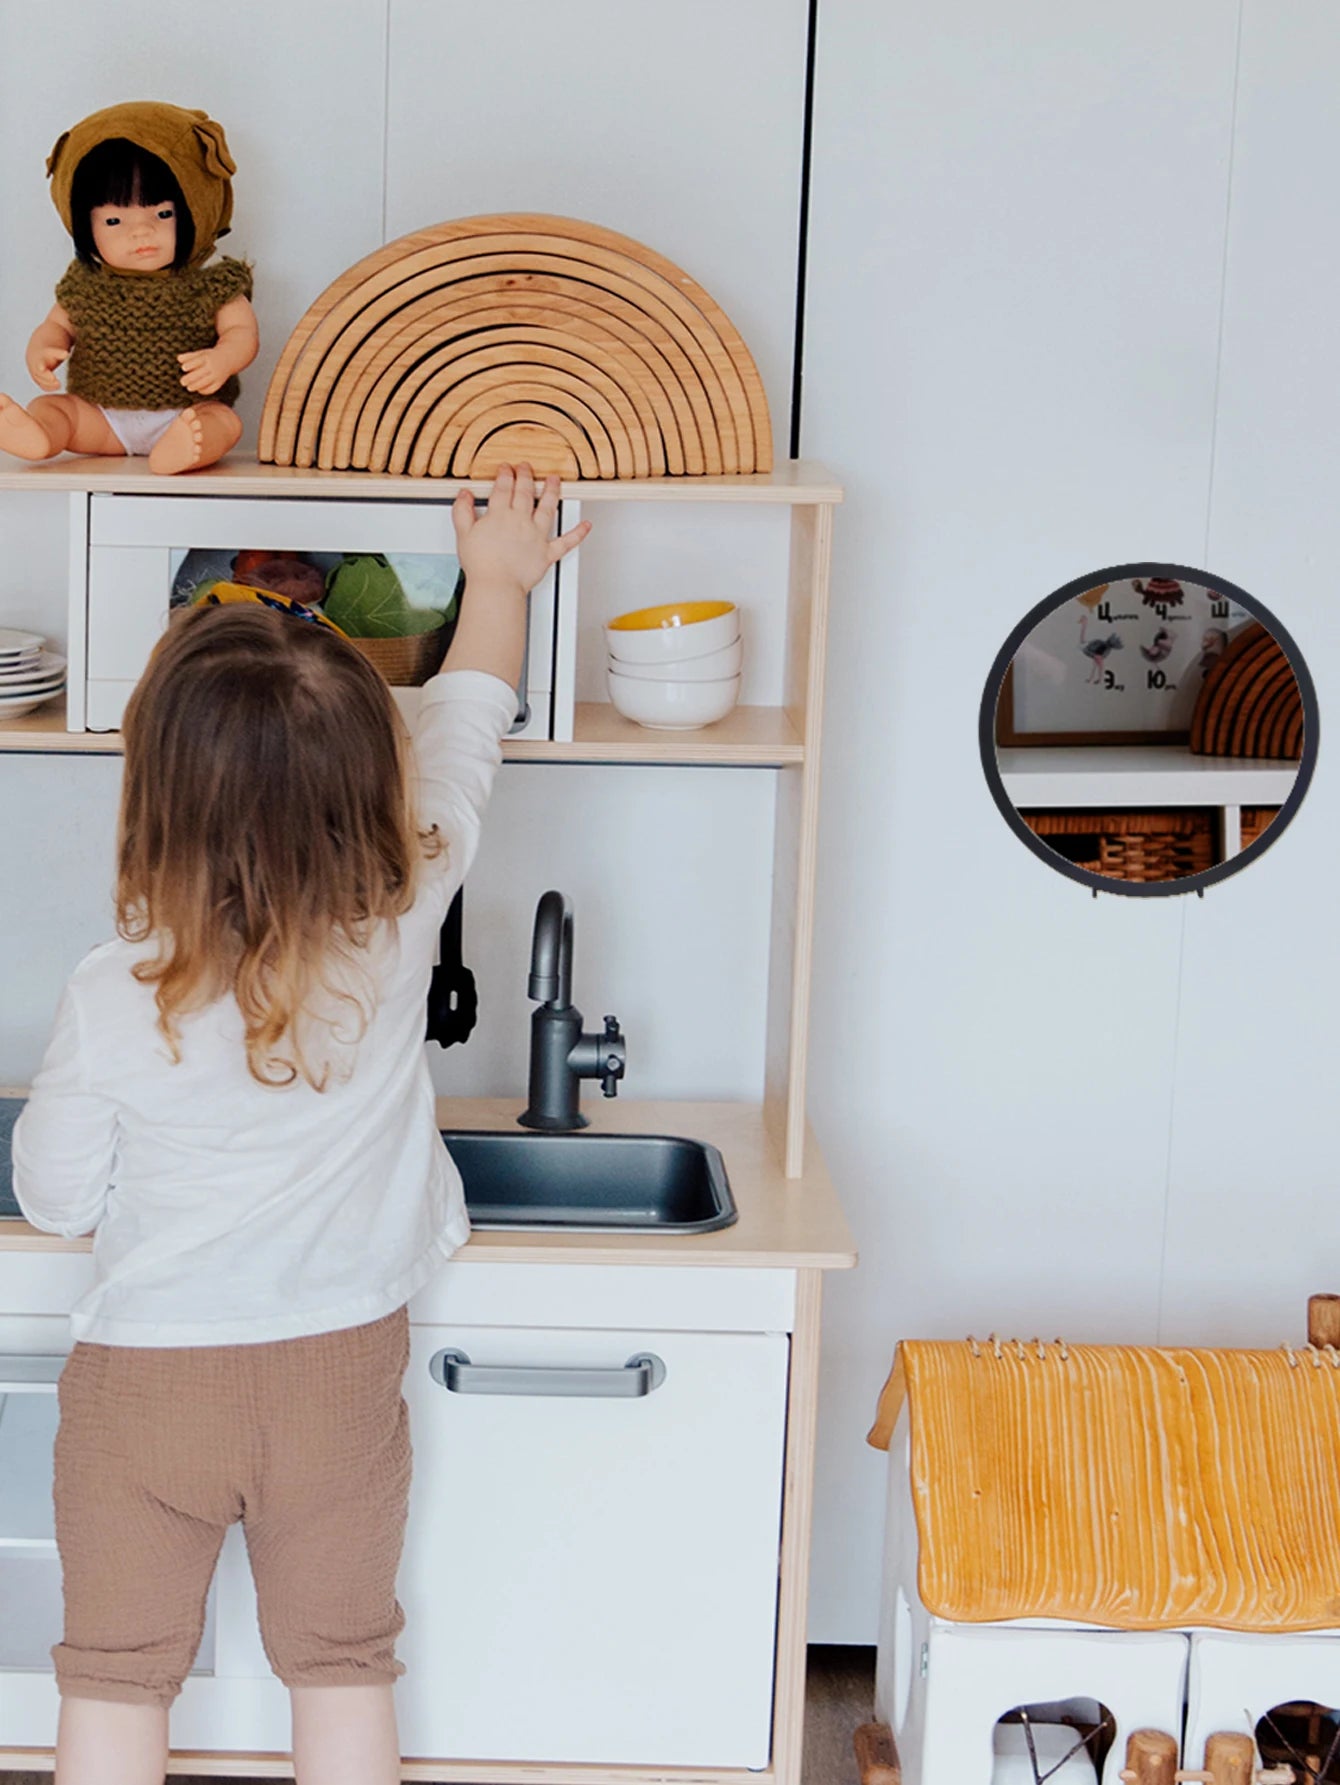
x=266, y=826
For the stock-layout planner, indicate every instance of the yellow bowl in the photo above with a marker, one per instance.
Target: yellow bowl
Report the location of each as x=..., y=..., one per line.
x=671, y=613
x=688, y=629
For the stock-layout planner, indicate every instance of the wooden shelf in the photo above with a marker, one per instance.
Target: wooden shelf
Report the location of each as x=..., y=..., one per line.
x=795, y=482
x=749, y=737
x=1140, y=775
x=42, y=732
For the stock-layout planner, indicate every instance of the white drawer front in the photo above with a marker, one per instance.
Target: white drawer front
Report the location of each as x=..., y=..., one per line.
x=40, y=1283
x=673, y=1297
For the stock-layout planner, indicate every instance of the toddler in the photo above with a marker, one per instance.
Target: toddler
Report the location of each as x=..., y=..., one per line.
x=236, y=1101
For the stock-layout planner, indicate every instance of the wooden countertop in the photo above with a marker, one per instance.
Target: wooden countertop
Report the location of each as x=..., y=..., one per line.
x=786, y=1223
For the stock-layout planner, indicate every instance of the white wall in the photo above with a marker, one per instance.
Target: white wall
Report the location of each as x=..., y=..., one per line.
x=1042, y=340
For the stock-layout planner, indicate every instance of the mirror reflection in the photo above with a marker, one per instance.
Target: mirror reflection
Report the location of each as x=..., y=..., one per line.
x=1149, y=728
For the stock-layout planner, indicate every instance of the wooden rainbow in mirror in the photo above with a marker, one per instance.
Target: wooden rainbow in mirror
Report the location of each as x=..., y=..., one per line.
x=492, y=339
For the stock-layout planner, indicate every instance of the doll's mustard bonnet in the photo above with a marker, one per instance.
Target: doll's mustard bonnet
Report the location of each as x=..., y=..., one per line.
x=189, y=141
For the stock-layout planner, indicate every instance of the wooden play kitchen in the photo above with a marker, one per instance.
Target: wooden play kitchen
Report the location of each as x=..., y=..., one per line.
x=618, y=1595
x=630, y=1603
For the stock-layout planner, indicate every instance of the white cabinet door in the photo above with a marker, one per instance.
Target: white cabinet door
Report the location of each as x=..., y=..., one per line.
x=590, y=1571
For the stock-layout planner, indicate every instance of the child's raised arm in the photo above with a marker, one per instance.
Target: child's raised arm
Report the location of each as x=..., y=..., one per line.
x=504, y=552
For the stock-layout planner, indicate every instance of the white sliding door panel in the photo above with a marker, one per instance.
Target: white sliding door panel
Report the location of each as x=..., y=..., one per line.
x=1016, y=240
x=678, y=125
x=1252, y=1223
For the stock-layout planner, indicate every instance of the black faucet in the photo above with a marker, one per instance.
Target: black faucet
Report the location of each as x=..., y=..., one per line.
x=560, y=1055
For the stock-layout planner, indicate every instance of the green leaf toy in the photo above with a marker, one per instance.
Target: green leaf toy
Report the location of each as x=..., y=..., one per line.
x=366, y=599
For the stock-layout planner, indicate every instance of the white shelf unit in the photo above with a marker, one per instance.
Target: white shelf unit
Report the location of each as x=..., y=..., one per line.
x=784, y=737
x=1130, y=776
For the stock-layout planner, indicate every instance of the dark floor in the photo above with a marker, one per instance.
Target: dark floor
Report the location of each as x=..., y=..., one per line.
x=839, y=1695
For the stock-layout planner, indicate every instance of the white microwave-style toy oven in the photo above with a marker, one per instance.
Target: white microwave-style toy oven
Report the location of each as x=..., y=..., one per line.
x=129, y=550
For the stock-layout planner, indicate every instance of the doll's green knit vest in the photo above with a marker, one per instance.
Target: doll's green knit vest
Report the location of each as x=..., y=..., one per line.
x=131, y=327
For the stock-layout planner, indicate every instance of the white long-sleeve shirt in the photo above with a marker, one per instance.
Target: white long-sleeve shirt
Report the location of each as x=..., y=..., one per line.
x=228, y=1212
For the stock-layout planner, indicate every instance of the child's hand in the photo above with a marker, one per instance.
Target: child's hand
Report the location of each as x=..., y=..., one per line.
x=510, y=543
x=42, y=363
x=203, y=372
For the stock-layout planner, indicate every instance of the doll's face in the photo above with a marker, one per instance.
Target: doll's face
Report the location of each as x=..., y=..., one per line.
x=130, y=237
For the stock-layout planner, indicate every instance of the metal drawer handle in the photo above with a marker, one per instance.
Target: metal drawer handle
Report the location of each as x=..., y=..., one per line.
x=29, y=1372
x=453, y=1371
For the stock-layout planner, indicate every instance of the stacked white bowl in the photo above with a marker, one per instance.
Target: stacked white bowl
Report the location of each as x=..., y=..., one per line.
x=675, y=667
x=29, y=673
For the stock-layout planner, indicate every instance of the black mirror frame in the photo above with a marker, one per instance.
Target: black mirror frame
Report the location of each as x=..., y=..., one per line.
x=986, y=732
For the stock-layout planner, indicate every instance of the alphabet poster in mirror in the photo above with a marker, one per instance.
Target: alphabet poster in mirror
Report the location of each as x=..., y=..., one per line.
x=1120, y=663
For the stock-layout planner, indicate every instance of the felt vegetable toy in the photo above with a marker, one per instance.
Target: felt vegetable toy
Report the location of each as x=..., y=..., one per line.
x=286, y=574
x=154, y=337
x=366, y=599
x=245, y=562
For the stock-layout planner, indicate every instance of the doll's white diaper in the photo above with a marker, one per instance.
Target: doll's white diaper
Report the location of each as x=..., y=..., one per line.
x=140, y=430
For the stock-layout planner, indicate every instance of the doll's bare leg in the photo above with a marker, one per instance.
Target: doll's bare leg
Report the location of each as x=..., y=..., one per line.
x=199, y=436
x=51, y=425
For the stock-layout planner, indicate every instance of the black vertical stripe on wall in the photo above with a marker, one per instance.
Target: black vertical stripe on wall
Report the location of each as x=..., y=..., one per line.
x=798, y=363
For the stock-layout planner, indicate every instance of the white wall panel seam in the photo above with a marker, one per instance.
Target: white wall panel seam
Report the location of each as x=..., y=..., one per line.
x=386, y=118
x=1172, y=1122
x=1223, y=286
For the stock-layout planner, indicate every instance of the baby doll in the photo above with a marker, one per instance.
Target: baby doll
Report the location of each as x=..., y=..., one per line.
x=145, y=191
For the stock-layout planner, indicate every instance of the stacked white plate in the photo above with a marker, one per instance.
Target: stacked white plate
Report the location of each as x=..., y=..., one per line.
x=29, y=674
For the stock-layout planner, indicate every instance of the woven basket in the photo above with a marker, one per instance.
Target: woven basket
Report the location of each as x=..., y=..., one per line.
x=1254, y=821
x=405, y=662
x=1130, y=845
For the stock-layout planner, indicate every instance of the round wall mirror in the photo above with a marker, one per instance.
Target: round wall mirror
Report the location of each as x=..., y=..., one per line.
x=1149, y=729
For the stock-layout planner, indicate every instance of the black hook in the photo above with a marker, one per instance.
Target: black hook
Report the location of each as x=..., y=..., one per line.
x=453, y=1002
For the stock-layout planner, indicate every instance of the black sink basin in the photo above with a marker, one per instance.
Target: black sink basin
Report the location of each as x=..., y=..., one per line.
x=9, y=1114
x=597, y=1183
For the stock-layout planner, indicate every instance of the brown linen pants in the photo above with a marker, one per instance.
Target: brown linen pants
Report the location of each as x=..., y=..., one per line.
x=159, y=1450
